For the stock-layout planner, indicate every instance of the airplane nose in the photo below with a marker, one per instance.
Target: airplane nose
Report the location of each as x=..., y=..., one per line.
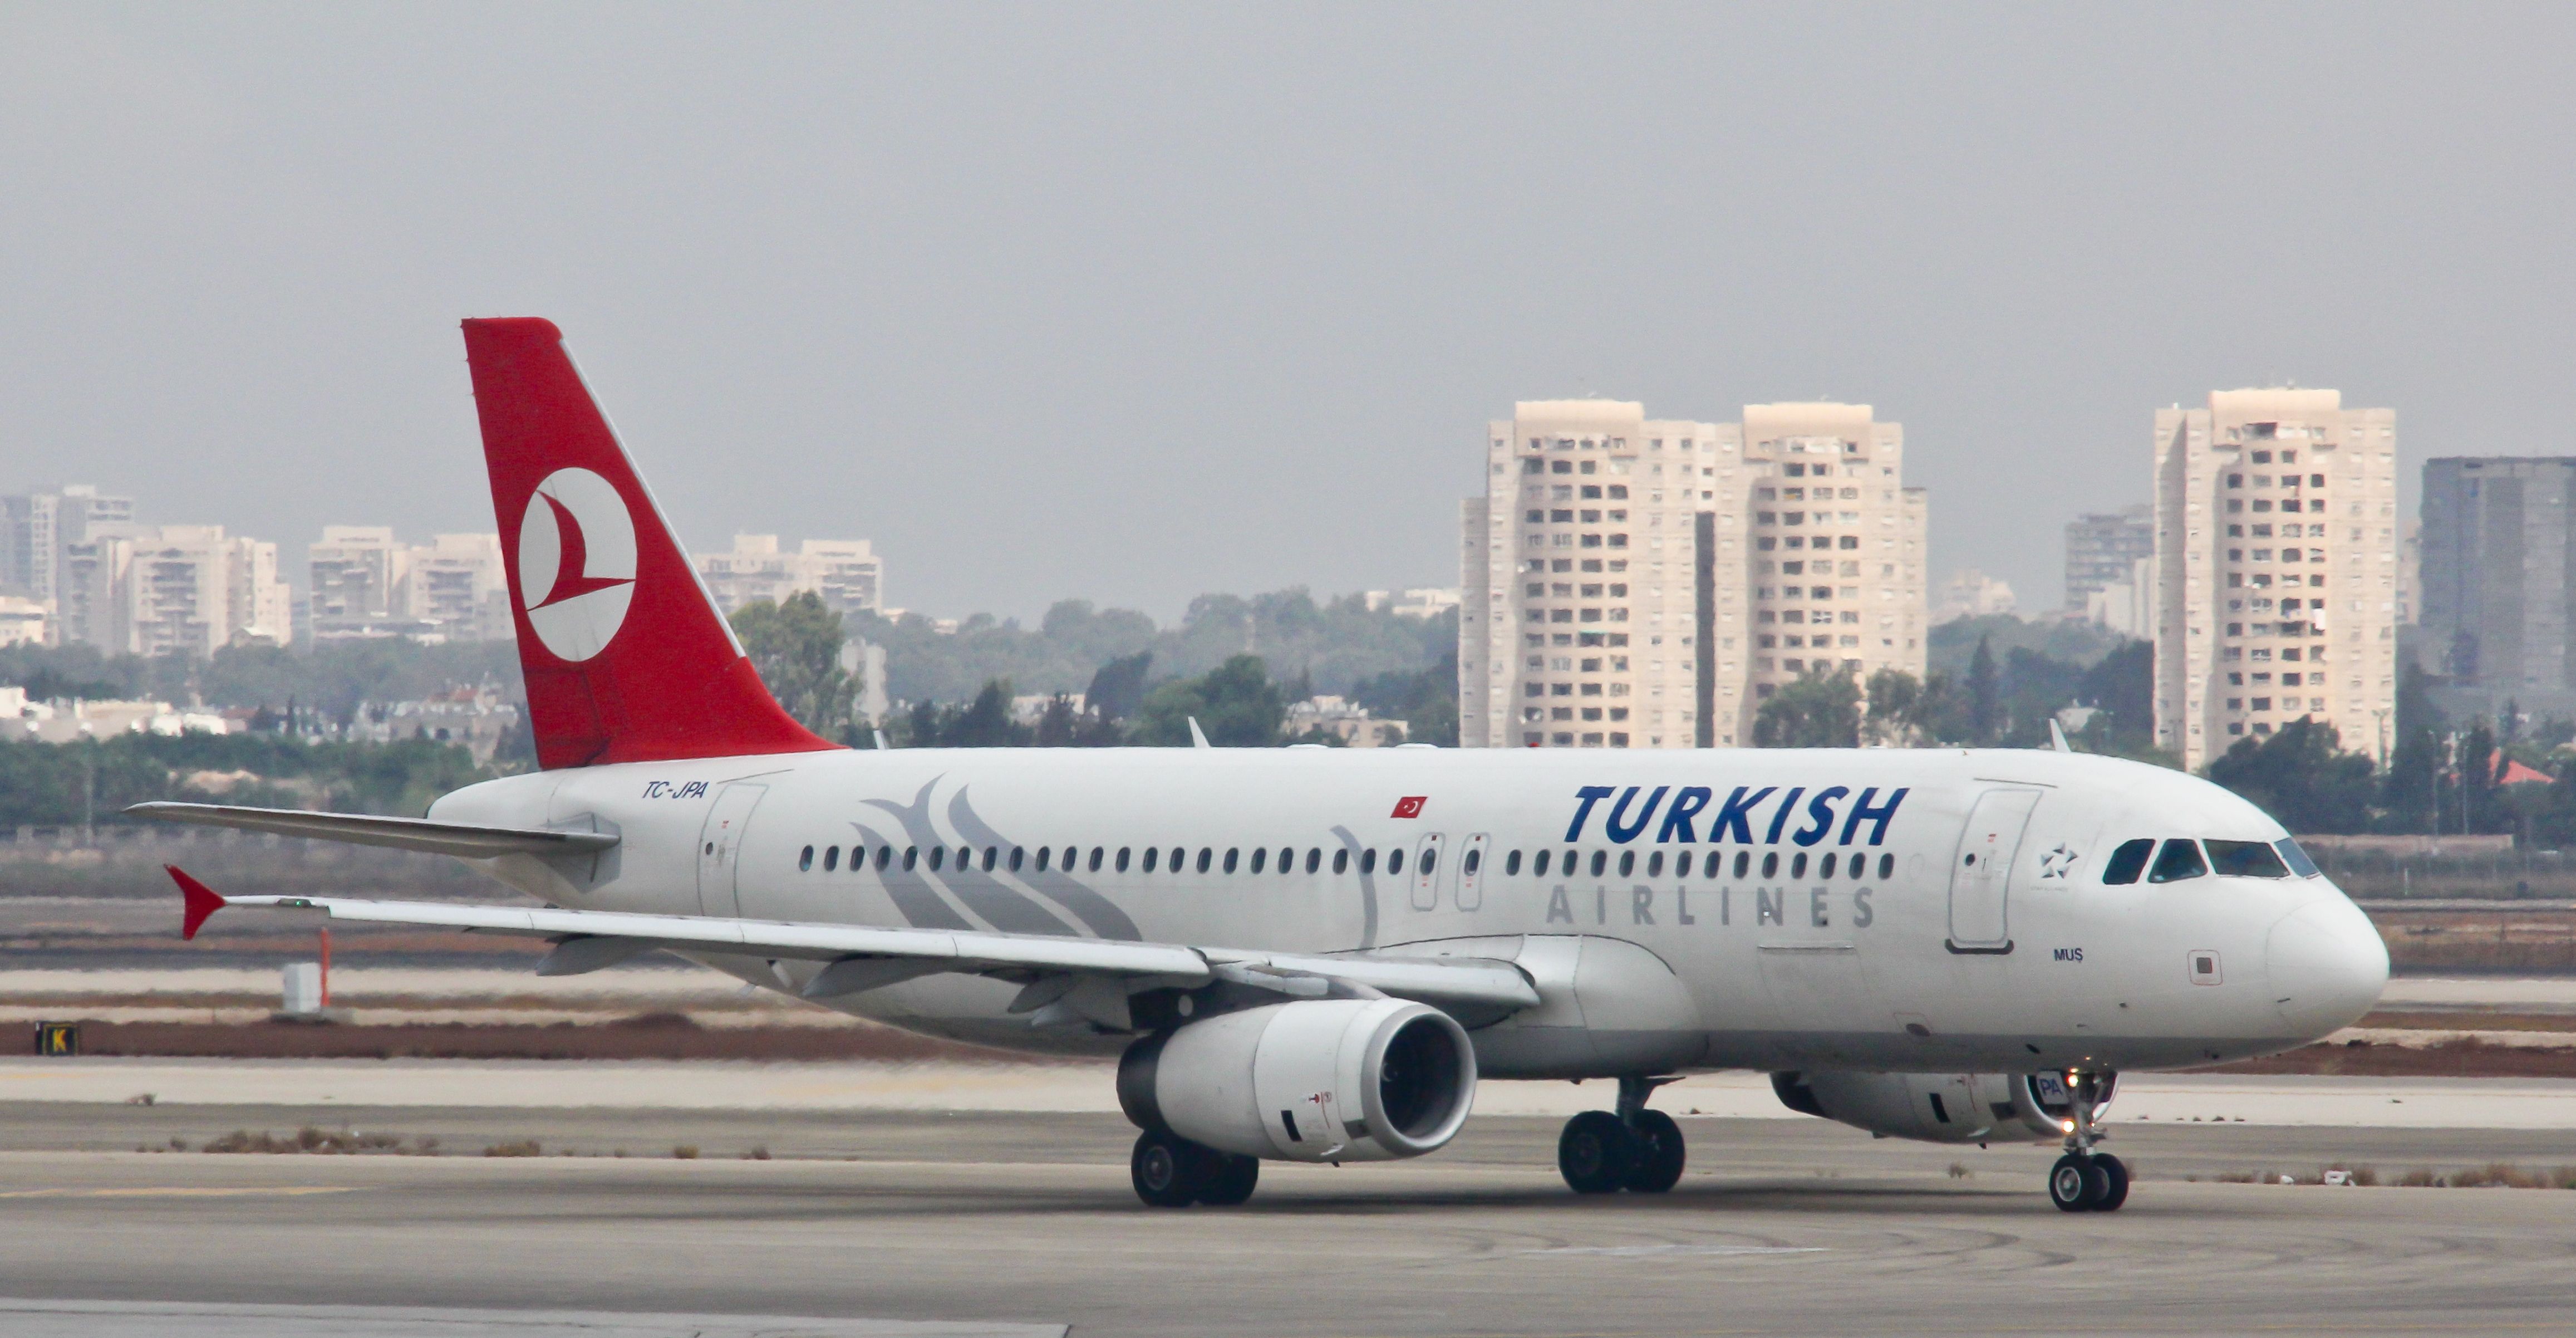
x=2327, y=965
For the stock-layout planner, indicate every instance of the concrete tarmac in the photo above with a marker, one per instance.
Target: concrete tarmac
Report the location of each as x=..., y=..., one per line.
x=1781, y=1227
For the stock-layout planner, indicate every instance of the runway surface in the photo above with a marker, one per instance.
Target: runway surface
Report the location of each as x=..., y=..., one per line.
x=1782, y=1226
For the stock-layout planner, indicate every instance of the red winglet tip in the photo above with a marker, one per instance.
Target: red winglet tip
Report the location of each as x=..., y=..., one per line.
x=199, y=900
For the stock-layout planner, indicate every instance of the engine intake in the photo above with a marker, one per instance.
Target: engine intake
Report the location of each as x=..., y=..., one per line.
x=1314, y=1080
x=1938, y=1107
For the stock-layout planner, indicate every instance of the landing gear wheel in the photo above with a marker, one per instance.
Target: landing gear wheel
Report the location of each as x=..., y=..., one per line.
x=1232, y=1184
x=1170, y=1171
x=2116, y=1187
x=2076, y=1184
x=1595, y=1153
x=1658, y=1166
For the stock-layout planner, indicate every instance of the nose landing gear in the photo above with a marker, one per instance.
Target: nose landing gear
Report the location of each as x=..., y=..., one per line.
x=1635, y=1149
x=2086, y=1179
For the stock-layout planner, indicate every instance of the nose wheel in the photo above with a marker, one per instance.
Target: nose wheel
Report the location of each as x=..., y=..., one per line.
x=1634, y=1149
x=2086, y=1179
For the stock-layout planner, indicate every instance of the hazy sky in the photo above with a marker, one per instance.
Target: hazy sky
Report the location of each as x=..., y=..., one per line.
x=1136, y=302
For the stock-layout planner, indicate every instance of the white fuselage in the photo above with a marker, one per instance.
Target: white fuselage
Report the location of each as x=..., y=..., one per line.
x=1967, y=928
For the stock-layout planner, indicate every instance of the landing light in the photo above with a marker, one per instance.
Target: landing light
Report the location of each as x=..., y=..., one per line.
x=2067, y=1125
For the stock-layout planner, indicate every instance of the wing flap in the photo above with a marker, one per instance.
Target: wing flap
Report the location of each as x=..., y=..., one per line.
x=436, y=838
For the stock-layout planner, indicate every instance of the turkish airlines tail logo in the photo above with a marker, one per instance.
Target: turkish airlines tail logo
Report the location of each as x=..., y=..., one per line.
x=576, y=563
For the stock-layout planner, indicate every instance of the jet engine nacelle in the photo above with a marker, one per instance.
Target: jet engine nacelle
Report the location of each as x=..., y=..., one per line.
x=1939, y=1107
x=1314, y=1080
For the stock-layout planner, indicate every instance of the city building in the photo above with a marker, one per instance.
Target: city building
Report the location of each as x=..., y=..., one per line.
x=2275, y=570
x=189, y=590
x=35, y=528
x=844, y=573
x=2104, y=549
x=22, y=621
x=1637, y=583
x=2126, y=606
x=2498, y=580
x=1344, y=720
x=364, y=583
x=1424, y=602
x=1972, y=594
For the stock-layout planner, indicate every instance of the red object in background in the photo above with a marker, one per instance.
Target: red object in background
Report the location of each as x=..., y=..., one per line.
x=1411, y=805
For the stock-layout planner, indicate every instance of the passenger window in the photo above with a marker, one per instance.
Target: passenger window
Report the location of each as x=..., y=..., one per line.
x=2127, y=862
x=1512, y=864
x=1287, y=860
x=911, y=856
x=1342, y=860
x=1538, y=867
x=1368, y=861
x=1093, y=866
x=938, y=856
x=1179, y=853
x=1798, y=865
x=1770, y=864
x=1073, y=855
x=1230, y=854
x=2246, y=859
x=1153, y=854
x=1600, y=861
x=2298, y=859
x=1015, y=859
x=1315, y=859
x=1886, y=867
x=1627, y=863
x=1710, y=866
x=991, y=856
x=885, y=856
x=832, y=859
x=1205, y=855
x=805, y=862
x=966, y=856
x=1122, y=859
x=1475, y=858
x=1260, y=858
x=1395, y=861
x=1743, y=862
x=2180, y=859
x=1430, y=861
x=1826, y=869
x=1655, y=865
x=1045, y=853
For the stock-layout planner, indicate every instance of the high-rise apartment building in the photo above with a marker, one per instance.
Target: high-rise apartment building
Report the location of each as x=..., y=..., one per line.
x=455, y=588
x=363, y=583
x=350, y=576
x=843, y=572
x=2275, y=569
x=189, y=590
x=1638, y=583
x=2499, y=580
x=2103, y=550
x=36, y=528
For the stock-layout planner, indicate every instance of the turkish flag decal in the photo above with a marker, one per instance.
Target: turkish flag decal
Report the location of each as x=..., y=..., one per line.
x=1410, y=806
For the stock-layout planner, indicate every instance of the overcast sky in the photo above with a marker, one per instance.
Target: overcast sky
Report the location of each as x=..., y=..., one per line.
x=1135, y=302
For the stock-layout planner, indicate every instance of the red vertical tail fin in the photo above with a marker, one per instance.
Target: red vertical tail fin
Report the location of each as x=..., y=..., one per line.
x=627, y=660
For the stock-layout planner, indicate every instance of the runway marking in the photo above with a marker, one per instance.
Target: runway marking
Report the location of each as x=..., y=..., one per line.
x=169, y=1192
x=1655, y=1251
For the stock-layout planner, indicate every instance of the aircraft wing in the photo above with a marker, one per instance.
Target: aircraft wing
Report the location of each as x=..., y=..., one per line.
x=862, y=957
x=436, y=838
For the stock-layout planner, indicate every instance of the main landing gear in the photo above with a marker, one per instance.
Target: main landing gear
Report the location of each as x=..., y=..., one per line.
x=2086, y=1180
x=1635, y=1149
x=1172, y=1172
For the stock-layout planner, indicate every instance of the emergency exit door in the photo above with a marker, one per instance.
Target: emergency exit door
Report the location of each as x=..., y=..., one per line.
x=720, y=848
x=1981, y=871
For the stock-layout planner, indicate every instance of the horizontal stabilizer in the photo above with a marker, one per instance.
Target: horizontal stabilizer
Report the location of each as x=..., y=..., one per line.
x=436, y=838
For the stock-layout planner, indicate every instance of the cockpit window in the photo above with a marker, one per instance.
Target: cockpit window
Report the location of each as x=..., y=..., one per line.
x=2128, y=862
x=2298, y=859
x=2246, y=859
x=2179, y=859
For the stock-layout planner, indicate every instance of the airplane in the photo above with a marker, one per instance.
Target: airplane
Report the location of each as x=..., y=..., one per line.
x=1314, y=955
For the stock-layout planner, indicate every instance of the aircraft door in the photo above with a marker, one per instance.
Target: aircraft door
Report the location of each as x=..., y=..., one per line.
x=1981, y=871
x=720, y=848
x=1426, y=872
x=1471, y=873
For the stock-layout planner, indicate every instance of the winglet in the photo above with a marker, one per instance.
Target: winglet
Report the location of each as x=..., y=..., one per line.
x=2057, y=737
x=199, y=900
x=1198, y=736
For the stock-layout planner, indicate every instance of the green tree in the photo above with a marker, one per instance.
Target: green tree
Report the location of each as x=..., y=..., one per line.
x=1236, y=703
x=796, y=647
x=2301, y=776
x=1985, y=695
x=986, y=721
x=1820, y=710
